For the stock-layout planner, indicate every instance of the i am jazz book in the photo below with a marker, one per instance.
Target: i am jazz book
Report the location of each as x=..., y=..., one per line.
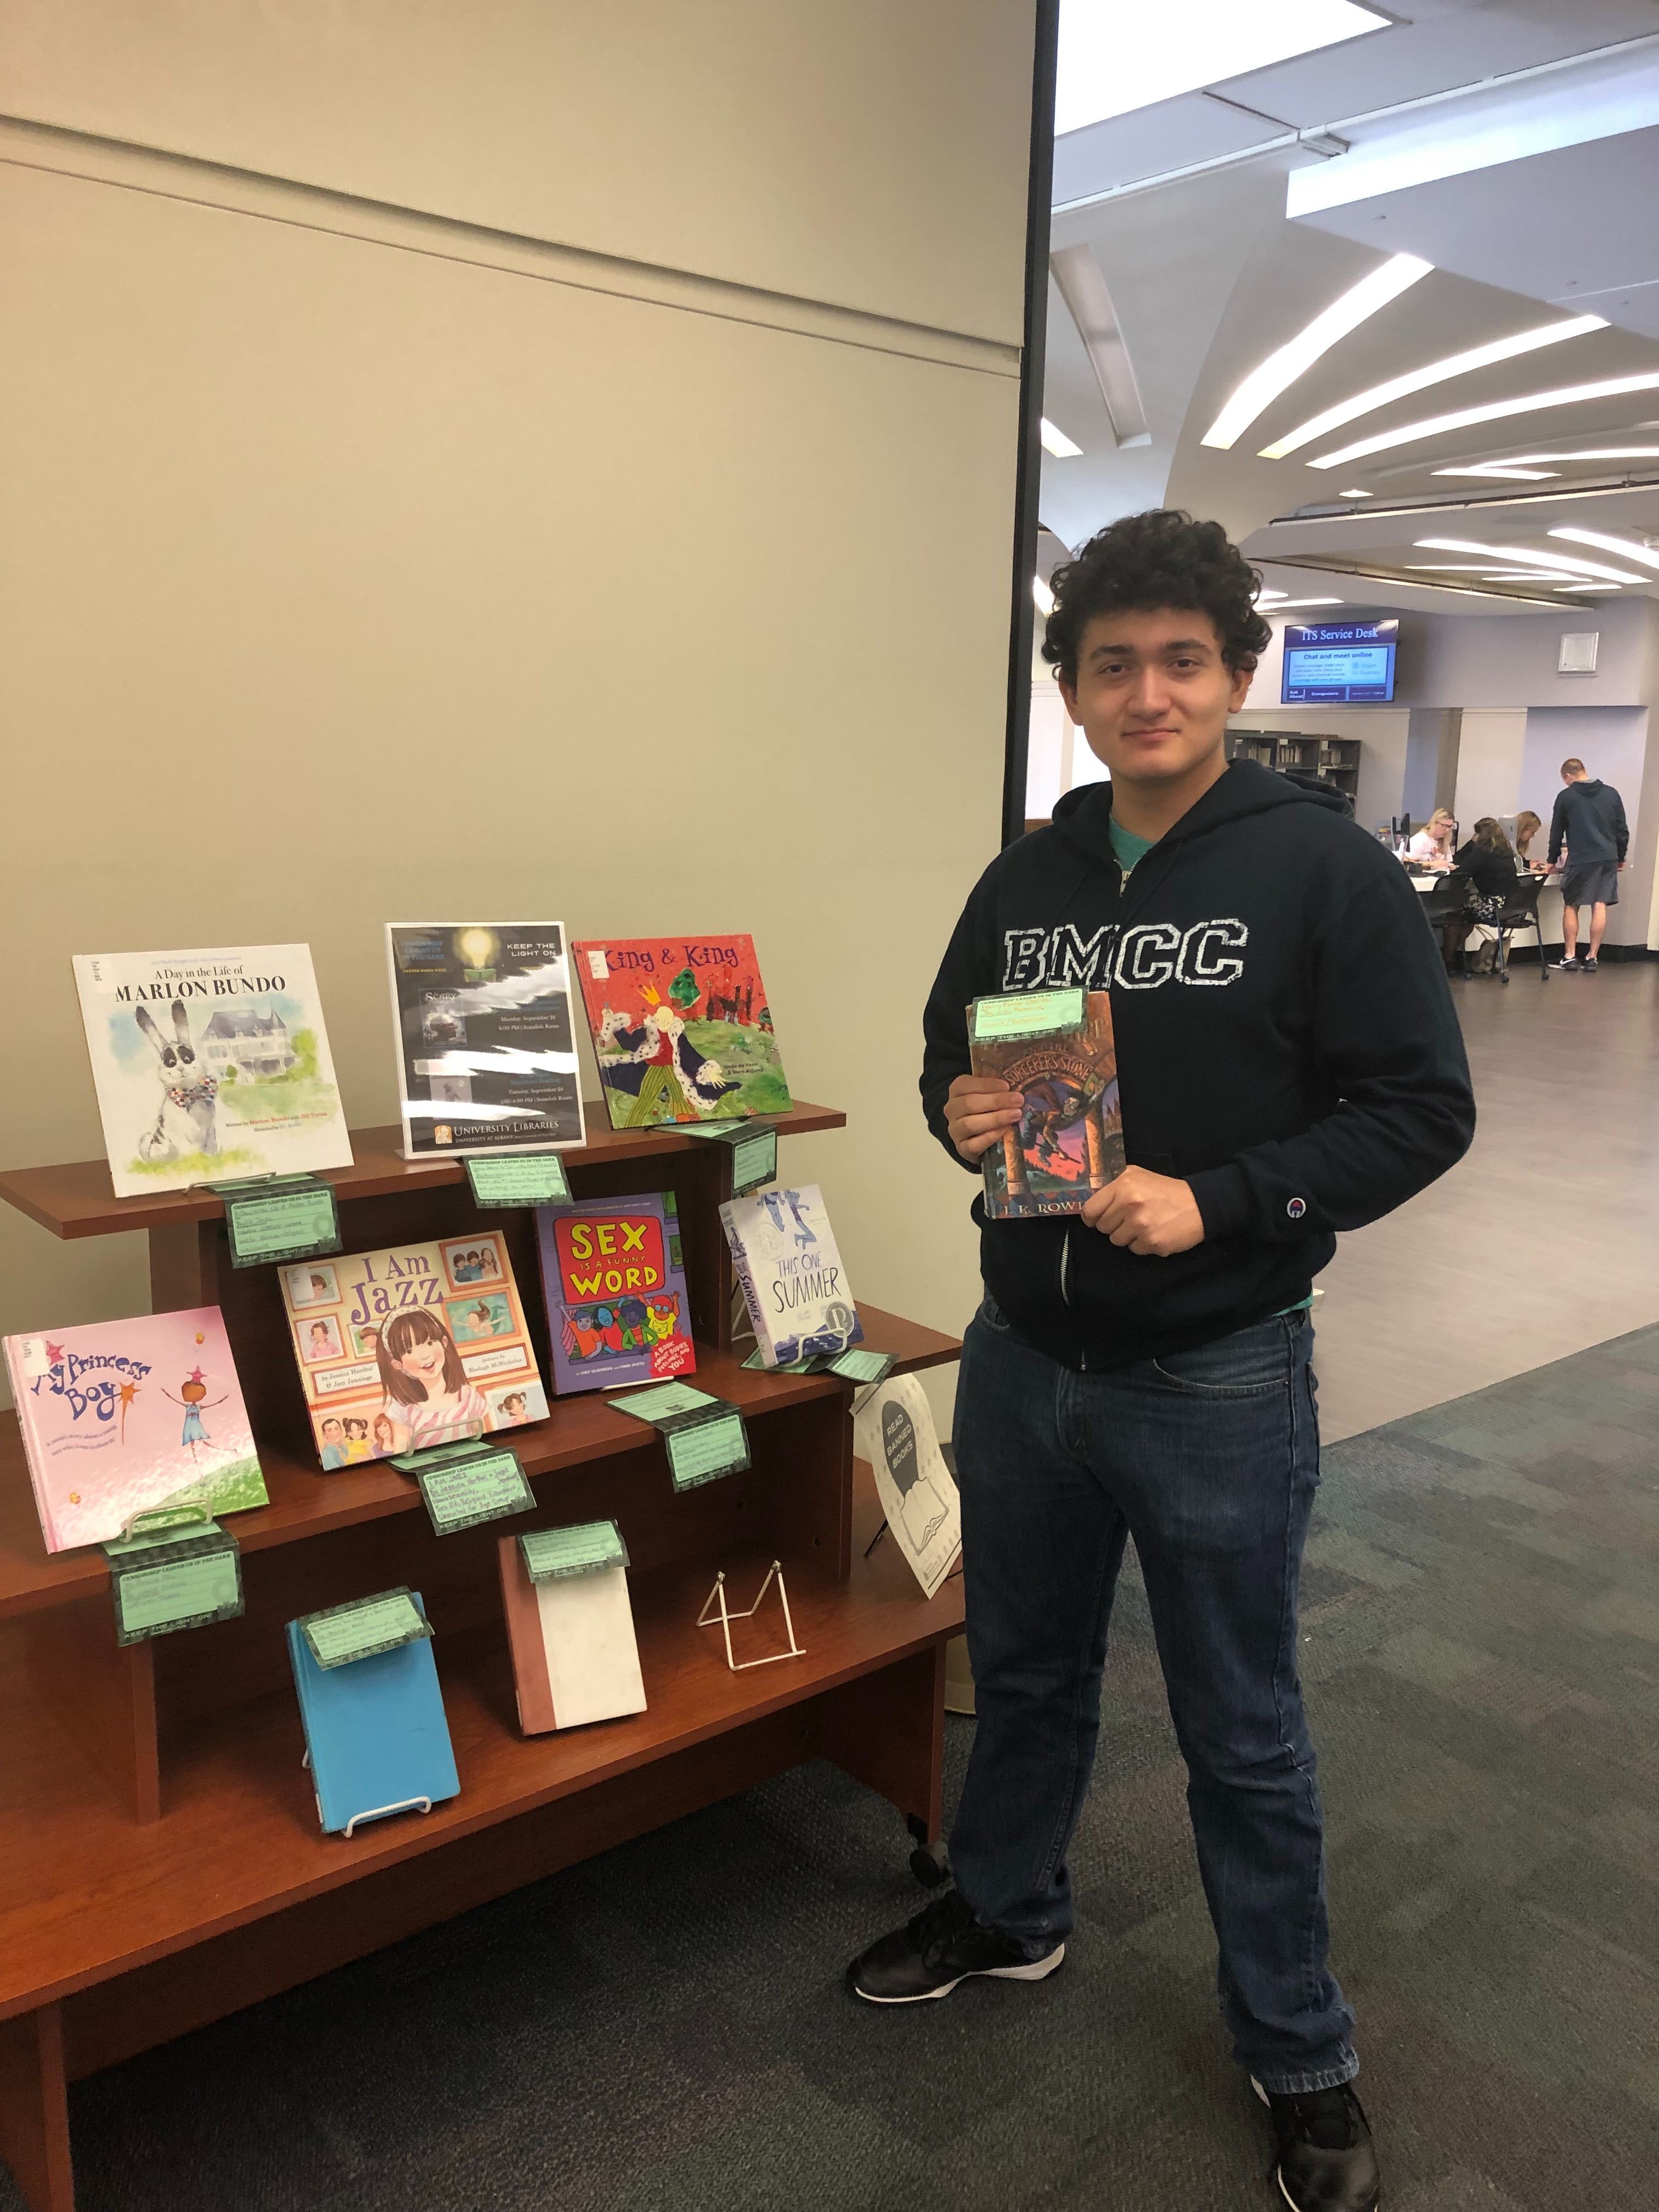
x=682, y=1029
x=210, y=1066
x=417, y=1345
x=124, y=1417
x=1068, y=1142
x=486, y=1037
x=613, y=1276
x=794, y=1284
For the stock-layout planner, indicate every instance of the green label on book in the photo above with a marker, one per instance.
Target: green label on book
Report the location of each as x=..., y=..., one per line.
x=549, y=1554
x=700, y=1450
x=166, y=1580
x=482, y=1487
x=727, y=1133
x=858, y=1365
x=662, y=1401
x=518, y=1179
x=341, y=1633
x=1029, y=1013
x=754, y=1162
x=297, y=1220
x=812, y=1366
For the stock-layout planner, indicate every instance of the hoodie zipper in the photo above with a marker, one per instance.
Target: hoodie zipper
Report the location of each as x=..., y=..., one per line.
x=1065, y=1275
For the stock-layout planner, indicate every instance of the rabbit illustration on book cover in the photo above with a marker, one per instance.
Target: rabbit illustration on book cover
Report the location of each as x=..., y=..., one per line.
x=187, y=1121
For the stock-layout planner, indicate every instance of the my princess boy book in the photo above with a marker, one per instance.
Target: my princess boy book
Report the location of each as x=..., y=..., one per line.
x=419, y=1345
x=122, y=1417
x=210, y=1066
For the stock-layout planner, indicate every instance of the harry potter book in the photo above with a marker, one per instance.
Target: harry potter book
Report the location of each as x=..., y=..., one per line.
x=210, y=1066
x=614, y=1279
x=1068, y=1142
x=792, y=1280
x=682, y=1029
x=419, y=1345
x=121, y=1418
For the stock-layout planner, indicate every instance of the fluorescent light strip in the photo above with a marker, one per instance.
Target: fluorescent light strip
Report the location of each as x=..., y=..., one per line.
x=1631, y=550
x=1056, y=442
x=1434, y=426
x=1435, y=372
x=1281, y=369
x=1356, y=494
x=1513, y=475
x=1586, y=587
x=1517, y=555
x=1043, y=596
x=1521, y=462
x=1280, y=605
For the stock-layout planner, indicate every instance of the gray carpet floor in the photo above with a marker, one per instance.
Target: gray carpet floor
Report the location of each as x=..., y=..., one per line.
x=666, y=2027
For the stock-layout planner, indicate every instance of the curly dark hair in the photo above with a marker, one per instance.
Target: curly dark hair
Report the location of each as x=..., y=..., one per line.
x=1159, y=559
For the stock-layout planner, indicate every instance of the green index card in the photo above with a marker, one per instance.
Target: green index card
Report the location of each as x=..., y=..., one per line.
x=706, y=1446
x=165, y=1581
x=1029, y=1013
x=728, y=1132
x=754, y=1162
x=295, y=1219
x=550, y=1554
x=479, y=1486
x=518, y=1179
x=662, y=1401
x=358, y=1630
x=858, y=1365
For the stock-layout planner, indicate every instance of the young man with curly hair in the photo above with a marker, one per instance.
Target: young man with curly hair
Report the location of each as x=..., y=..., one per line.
x=1290, y=1064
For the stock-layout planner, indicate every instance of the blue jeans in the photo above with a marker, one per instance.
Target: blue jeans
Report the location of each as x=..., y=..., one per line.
x=1209, y=1460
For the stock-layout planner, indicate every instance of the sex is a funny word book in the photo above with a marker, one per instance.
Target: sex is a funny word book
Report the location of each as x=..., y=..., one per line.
x=210, y=1066
x=418, y=1345
x=122, y=1418
x=613, y=1273
x=1056, y=1049
x=794, y=1282
x=682, y=1029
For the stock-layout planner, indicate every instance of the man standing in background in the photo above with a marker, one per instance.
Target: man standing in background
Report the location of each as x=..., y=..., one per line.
x=1589, y=820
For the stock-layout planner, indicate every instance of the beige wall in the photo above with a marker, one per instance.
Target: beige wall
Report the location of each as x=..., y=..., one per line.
x=362, y=562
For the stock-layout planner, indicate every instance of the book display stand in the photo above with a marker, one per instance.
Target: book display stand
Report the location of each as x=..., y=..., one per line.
x=161, y=1863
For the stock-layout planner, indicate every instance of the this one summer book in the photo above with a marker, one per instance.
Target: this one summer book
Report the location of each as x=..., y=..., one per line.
x=792, y=1280
x=1055, y=1048
x=614, y=1285
x=125, y=1417
x=682, y=1030
x=419, y=1345
x=210, y=1066
x=486, y=1037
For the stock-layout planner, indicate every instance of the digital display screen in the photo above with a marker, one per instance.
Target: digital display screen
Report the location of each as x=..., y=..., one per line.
x=1339, y=664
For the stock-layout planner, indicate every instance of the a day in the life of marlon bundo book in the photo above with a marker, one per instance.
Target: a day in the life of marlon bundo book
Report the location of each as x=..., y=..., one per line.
x=1069, y=1140
x=486, y=1036
x=418, y=1345
x=210, y=1066
x=122, y=1418
x=682, y=1029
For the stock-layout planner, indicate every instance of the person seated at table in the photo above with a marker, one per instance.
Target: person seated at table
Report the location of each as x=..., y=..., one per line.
x=1432, y=847
x=1526, y=826
x=1488, y=860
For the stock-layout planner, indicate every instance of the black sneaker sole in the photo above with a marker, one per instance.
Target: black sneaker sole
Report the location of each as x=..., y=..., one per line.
x=1279, y=2172
x=1036, y=1970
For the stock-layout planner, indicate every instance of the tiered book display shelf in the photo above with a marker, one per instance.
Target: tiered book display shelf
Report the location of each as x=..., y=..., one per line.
x=160, y=1863
x=1335, y=761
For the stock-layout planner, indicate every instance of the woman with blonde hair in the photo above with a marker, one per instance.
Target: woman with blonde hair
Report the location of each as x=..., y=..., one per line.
x=1526, y=826
x=1432, y=847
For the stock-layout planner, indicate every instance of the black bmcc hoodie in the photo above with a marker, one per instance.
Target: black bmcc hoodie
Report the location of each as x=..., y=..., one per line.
x=1285, y=1042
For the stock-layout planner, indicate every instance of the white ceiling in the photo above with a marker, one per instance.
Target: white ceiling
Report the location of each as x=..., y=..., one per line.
x=1208, y=276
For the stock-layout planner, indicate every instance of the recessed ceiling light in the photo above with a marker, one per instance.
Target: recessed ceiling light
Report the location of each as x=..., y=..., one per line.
x=1433, y=426
x=1521, y=555
x=1632, y=549
x=1356, y=494
x=1269, y=377
x=1113, y=59
x=1518, y=461
x=1042, y=595
x=1512, y=476
x=1435, y=372
x=1056, y=442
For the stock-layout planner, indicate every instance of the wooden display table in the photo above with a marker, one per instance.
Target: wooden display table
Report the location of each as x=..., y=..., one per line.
x=159, y=1859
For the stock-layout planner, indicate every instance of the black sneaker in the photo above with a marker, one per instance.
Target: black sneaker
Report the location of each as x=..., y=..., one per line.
x=942, y=1946
x=1588, y=966
x=1327, y=2161
x=1571, y=967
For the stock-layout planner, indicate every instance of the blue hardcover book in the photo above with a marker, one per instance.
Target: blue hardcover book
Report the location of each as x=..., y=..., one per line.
x=375, y=1729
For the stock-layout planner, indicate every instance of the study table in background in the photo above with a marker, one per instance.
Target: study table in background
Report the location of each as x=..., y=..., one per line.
x=1549, y=905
